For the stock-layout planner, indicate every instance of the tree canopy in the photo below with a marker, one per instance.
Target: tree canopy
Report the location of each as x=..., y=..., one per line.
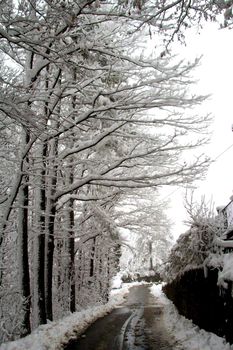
x=87, y=116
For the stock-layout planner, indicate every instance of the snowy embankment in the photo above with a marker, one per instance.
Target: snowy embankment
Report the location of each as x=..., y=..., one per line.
x=54, y=335
x=187, y=334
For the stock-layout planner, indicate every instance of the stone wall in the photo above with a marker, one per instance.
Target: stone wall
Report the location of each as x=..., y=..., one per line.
x=200, y=299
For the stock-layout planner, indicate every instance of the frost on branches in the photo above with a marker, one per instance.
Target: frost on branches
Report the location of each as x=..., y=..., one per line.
x=86, y=115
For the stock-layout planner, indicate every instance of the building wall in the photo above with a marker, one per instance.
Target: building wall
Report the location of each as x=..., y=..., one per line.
x=229, y=213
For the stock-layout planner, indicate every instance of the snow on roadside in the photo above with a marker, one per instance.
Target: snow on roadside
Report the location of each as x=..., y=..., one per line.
x=55, y=334
x=187, y=334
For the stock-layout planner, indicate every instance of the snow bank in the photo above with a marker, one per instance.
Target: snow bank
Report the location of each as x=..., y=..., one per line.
x=55, y=334
x=188, y=335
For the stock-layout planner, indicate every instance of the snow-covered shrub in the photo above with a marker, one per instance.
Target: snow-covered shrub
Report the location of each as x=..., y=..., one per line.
x=197, y=245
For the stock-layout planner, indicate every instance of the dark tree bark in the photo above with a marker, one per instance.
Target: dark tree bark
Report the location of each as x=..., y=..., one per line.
x=50, y=207
x=151, y=267
x=71, y=239
x=79, y=272
x=42, y=317
x=23, y=248
x=49, y=224
x=92, y=260
x=40, y=279
x=71, y=251
x=49, y=265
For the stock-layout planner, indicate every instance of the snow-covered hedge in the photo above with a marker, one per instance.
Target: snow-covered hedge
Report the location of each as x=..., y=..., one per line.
x=191, y=250
x=202, y=246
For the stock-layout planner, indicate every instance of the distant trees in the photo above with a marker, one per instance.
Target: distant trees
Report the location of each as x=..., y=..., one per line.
x=85, y=116
x=147, y=231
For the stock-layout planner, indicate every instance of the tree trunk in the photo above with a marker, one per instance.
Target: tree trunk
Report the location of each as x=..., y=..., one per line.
x=42, y=317
x=71, y=251
x=51, y=185
x=50, y=210
x=24, y=275
x=49, y=264
x=71, y=239
x=92, y=260
x=151, y=267
x=59, y=247
x=79, y=274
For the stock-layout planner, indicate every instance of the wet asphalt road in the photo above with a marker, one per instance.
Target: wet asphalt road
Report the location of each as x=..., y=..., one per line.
x=137, y=325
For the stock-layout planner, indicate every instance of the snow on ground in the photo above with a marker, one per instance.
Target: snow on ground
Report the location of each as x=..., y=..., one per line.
x=187, y=334
x=55, y=334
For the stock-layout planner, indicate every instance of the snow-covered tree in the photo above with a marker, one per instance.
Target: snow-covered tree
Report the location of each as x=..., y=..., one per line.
x=93, y=116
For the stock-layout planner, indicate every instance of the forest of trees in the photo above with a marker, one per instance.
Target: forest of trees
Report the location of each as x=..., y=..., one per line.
x=88, y=115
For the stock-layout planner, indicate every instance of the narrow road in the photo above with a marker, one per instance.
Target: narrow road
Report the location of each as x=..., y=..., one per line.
x=137, y=325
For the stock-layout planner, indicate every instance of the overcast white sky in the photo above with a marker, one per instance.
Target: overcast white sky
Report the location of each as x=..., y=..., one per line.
x=215, y=77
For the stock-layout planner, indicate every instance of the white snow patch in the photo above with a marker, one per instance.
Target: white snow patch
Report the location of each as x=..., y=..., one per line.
x=54, y=335
x=116, y=281
x=188, y=335
x=227, y=272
